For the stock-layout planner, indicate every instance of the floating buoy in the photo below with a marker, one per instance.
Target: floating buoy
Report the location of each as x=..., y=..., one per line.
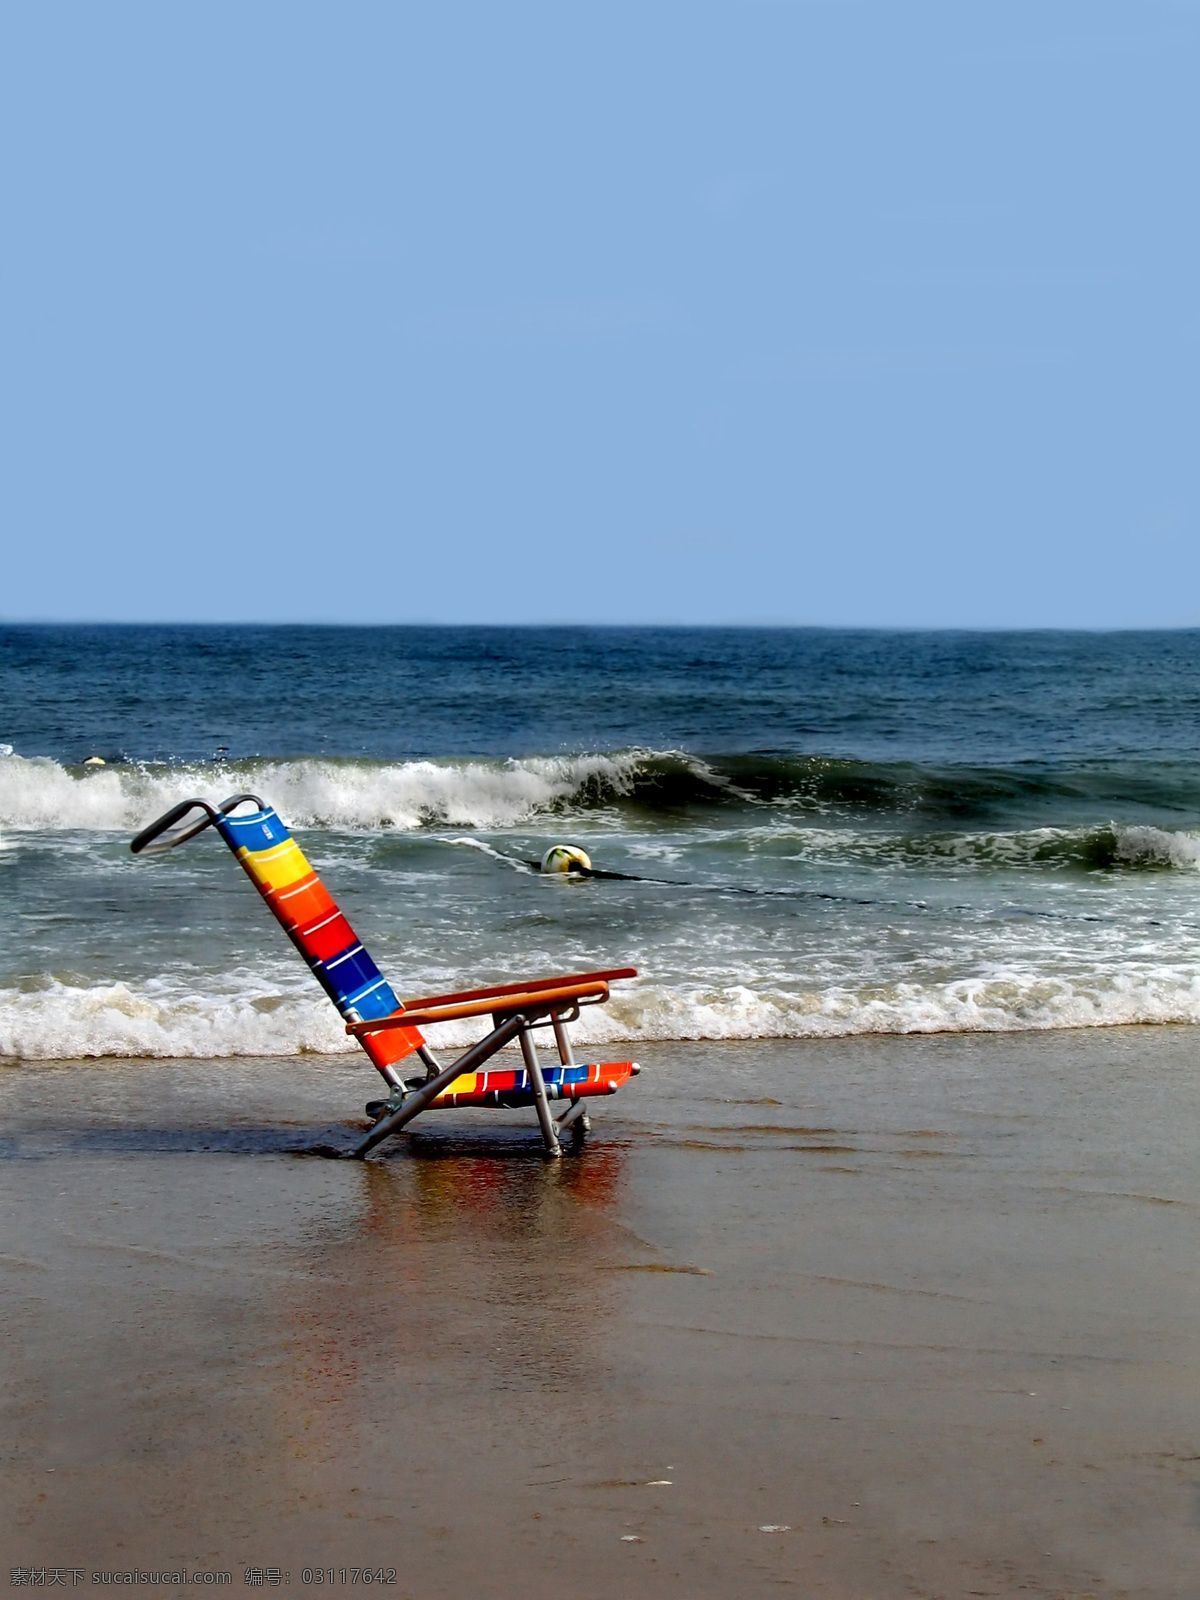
x=94, y=761
x=566, y=858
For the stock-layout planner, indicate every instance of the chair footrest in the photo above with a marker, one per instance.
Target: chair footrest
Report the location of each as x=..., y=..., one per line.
x=510, y=1087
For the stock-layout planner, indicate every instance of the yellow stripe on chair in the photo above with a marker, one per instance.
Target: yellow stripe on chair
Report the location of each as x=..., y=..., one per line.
x=276, y=869
x=467, y=1084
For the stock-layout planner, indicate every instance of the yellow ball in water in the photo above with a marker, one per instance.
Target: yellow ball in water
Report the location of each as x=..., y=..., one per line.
x=565, y=858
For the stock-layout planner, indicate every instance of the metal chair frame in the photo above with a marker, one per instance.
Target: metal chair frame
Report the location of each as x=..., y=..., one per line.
x=516, y=1011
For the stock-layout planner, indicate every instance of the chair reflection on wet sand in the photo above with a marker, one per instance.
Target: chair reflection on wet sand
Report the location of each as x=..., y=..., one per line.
x=390, y=1032
x=447, y=1253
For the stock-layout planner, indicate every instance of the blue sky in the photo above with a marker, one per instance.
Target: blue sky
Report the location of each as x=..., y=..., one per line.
x=840, y=313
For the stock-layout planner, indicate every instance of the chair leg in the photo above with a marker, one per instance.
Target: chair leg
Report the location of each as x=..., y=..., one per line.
x=432, y=1065
x=538, y=1084
x=575, y=1115
x=413, y=1104
x=565, y=1054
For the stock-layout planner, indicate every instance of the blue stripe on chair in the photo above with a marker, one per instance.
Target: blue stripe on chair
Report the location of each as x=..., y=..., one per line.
x=261, y=830
x=350, y=972
x=376, y=1001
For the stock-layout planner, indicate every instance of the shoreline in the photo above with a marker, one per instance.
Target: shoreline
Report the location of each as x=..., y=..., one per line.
x=925, y=1302
x=605, y=1042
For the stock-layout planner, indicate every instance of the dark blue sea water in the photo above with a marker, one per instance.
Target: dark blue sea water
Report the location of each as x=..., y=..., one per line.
x=836, y=831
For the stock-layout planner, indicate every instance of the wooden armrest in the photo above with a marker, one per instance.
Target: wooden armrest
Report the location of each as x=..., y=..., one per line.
x=529, y=987
x=512, y=998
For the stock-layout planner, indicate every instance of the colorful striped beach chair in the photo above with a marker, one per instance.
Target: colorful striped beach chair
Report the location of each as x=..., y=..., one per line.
x=390, y=1032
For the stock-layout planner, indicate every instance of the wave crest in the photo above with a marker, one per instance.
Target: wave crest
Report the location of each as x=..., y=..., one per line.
x=37, y=793
x=827, y=807
x=1110, y=847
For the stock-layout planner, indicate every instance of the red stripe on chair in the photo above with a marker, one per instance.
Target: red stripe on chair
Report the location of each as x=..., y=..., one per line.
x=329, y=936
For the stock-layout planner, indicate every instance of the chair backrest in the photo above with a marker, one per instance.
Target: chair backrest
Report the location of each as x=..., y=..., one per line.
x=276, y=866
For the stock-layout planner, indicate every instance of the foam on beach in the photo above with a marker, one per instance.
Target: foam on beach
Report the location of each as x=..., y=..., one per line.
x=58, y=1020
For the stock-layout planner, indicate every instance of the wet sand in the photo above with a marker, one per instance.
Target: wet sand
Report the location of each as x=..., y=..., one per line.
x=928, y=1308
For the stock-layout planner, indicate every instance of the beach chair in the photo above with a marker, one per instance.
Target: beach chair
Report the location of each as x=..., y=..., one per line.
x=390, y=1032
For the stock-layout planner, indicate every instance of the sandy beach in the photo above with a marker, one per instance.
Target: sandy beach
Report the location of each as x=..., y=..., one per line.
x=870, y=1317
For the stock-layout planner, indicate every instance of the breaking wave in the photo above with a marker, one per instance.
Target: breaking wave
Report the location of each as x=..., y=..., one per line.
x=59, y=1021
x=1111, y=847
x=40, y=794
x=930, y=814
x=37, y=794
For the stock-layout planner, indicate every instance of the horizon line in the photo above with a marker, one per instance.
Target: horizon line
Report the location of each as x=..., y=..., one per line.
x=628, y=627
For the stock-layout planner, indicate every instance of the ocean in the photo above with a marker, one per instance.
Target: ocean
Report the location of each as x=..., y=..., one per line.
x=826, y=832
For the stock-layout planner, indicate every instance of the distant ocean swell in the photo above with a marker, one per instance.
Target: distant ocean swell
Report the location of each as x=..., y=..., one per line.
x=937, y=816
x=60, y=1021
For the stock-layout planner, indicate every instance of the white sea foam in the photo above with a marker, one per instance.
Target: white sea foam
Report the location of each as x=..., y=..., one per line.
x=1003, y=1003
x=60, y=1021
x=38, y=793
x=1109, y=845
x=1160, y=847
